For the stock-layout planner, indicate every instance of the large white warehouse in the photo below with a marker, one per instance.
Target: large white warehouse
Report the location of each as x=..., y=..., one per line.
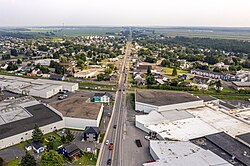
x=35, y=87
x=153, y=100
x=18, y=117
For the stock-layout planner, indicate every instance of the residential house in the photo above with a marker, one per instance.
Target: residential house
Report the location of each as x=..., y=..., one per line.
x=199, y=79
x=183, y=76
x=139, y=80
x=70, y=151
x=214, y=75
x=90, y=134
x=37, y=147
x=102, y=97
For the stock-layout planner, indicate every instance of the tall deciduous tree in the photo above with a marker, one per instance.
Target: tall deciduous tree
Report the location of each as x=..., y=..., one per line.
x=28, y=160
x=174, y=73
x=51, y=158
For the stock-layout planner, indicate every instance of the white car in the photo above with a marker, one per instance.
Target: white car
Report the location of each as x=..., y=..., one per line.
x=107, y=142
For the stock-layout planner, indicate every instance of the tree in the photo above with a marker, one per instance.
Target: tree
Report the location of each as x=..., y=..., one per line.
x=28, y=160
x=19, y=61
x=51, y=158
x=11, y=66
x=150, y=79
x=1, y=162
x=174, y=73
x=14, y=52
x=50, y=145
x=69, y=137
x=63, y=139
x=149, y=71
x=63, y=59
x=108, y=71
x=37, y=134
x=100, y=77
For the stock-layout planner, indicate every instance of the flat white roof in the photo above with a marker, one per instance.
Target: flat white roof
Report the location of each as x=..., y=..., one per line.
x=177, y=153
x=221, y=121
x=205, y=121
x=183, y=130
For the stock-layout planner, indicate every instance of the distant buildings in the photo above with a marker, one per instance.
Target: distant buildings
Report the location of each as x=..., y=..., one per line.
x=241, y=85
x=102, y=97
x=35, y=87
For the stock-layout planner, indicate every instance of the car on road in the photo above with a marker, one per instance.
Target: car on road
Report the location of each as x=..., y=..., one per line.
x=120, y=90
x=107, y=142
x=138, y=143
x=114, y=126
x=109, y=162
x=111, y=146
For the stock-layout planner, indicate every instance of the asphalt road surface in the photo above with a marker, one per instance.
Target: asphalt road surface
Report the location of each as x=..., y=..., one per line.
x=115, y=134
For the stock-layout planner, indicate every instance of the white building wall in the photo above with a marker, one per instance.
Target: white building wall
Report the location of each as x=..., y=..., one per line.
x=186, y=105
x=77, y=123
x=16, y=139
x=153, y=154
x=148, y=108
x=105, y=99
x=145, y=107
x=141, y=126
x=100, y=115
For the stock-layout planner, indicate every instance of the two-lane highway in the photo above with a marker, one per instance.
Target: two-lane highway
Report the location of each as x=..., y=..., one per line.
x=115, y=128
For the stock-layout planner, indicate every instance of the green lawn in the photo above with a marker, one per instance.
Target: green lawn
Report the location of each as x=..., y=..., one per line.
x=14, y=162
x=179, y=71
x=86, y=159
x=90, y=84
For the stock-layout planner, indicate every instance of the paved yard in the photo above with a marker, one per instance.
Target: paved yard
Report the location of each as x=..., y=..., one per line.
x=133, y=155
x=11, y=153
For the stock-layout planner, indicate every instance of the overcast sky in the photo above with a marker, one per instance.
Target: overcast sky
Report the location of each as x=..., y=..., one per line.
x=125, y=12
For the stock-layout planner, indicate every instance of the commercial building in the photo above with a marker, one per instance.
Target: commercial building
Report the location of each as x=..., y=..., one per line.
x=241, y=85
x=79, y=112
x=172, y=153
x=87, y=73
x=191, y=118
x=226, y=147
x=35, y=87
x=18, y=118
x=153, y=100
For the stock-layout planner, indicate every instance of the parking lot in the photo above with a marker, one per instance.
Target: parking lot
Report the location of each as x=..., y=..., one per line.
x=134, y=155
x=11, y=153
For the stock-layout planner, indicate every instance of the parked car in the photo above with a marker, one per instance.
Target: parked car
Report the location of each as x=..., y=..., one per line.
x=111, y=146
x=138, y=143
x=114, y=126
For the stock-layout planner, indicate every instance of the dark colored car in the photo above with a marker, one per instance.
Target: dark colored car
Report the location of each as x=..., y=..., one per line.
x=114, y=126
x=109, y=162
x=111, y=146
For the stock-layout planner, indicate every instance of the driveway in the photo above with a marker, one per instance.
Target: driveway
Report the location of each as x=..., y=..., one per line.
x=12, y=153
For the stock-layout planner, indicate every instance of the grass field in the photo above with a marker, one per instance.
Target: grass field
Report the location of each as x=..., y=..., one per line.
x=221, y=34
x=14, y=162
x=86, y=159
x=170, y=70
x=77, y=31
